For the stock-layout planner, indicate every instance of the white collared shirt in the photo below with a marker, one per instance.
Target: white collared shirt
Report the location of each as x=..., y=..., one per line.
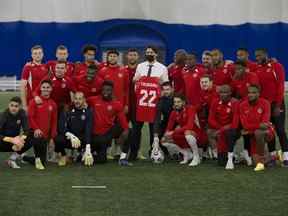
x=158, y=70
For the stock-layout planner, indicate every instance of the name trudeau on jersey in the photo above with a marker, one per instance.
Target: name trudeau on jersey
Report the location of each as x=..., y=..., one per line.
x=147, y=84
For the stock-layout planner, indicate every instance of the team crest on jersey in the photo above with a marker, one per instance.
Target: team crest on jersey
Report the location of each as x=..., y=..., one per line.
x=18, y=121
x=50, y=108
x=225, y=71
x=247, y=84
x=120, y=75
x=109, y=107
x=195, y=75
x=63, y=85
x=260, y=110
x=42, y=67
x=93, y=89
x=83, y=117
x=228, y=110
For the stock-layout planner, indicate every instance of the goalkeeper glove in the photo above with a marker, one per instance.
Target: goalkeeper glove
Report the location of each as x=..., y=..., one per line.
x=88, y=157
x=75, y=141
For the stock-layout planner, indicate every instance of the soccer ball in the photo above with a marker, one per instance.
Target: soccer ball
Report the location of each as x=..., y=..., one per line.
x=157, y=156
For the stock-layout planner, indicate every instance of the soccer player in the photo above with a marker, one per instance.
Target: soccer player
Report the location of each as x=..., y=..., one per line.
x=86, y=76
x=12, y=121
x=164, y=108
x=254, y=115
x=132, y=62
x=191, y=74
x=62, y=56
x=175, y=71
x=109, y=122
x=242, y=79
x=222, y=70
x=242, y=55
x=220, y=121
x=182, y=131
x=207, y=62
x=74, y=128
x=32, y=74
x=118, y=76
x=62, y=87
x=148, y=78
x=272, y=80
x=43, y=122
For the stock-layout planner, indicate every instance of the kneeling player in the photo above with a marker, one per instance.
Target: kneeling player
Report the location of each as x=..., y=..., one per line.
x=182, y=131
x=109, y=122
x=12, y=120
x=43, y=122
x=75, y=127
x=254, y=115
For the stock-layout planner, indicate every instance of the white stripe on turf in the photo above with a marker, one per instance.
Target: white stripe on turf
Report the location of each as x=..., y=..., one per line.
x=88, y=187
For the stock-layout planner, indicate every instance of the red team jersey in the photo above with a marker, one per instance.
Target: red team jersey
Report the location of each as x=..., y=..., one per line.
x=192, y=88
x=272, y=79
x=69, y=67
x=33, y=74
x=147, y=92
x=120, y=78
x=44, y=117
x=89, y=88
x=175, y=76
x=222, y=75
x=240, y=85
x=105, y=114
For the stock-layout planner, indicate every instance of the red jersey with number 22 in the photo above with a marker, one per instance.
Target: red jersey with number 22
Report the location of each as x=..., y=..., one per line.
x=148, y=92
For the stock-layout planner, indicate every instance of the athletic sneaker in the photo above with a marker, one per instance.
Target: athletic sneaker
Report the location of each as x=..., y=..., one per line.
x=12, y=164
x=259, y=167
x=38, y=164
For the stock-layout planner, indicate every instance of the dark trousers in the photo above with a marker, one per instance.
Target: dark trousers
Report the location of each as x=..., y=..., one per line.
x=40, y=148
x=101, y=142
x=136, y=138
x=7, y=147
x=62, y=143
x=279, y=124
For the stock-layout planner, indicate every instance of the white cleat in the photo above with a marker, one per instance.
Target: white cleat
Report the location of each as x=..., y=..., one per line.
x=247, y=158
x=195, y=162
x=187, y=156
x=12, y=164
x=229, y=165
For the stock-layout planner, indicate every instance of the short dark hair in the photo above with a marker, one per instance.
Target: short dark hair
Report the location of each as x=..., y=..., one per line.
x=88, y=47
x=207, y=53
x=112, y=51
x=264, y=50
x=255, y=86
x=167, y=83
x=61, y=47
x=242, y=49
x=132, y=50
x=61, y=62
x=239, y=62
x=46, y=81
x=154, y=48
x=217, y=50
x=179, y=95
x=16, y=99
x=193, y=53
x=36, y=47
x=108, y=83
x=206, y=76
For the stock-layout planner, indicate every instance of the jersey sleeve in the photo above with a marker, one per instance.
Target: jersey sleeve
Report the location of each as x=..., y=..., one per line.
x=32, y=109
x=121, y=117
x=212, y=116
x=171, y=122
x=280, y=78
x=54, y=120
x=25, y=72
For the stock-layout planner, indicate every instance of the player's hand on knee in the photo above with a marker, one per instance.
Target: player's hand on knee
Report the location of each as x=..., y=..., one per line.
x=38, y=133
x=88, y=157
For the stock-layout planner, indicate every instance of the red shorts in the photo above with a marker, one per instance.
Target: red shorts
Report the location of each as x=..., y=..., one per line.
x=180, y=140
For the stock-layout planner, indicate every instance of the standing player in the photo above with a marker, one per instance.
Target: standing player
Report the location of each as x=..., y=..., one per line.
x=191, y=74
x=86, y=76
x=220, y=122
x=182, y=131
x=117, y=74
x=61, y=56
x=75, y=127
x=175, y=71
x=109, y=122
x=43, y=122
x=32, y=74
x=207, y=62
x=222, y=70
x=148, y=78
x=12, y=121
x=254, y=115
x=242, y=55
x=132, y=62
x=272, y=79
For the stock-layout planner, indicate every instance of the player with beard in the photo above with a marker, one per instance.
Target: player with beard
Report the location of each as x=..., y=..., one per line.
x=62, y=55
x=207, y=62
x=222, y=70
x=271, y=76
x=32, y=74
x=175, y=71
x=242, y=55
x=86, y=76
x=148, y=79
